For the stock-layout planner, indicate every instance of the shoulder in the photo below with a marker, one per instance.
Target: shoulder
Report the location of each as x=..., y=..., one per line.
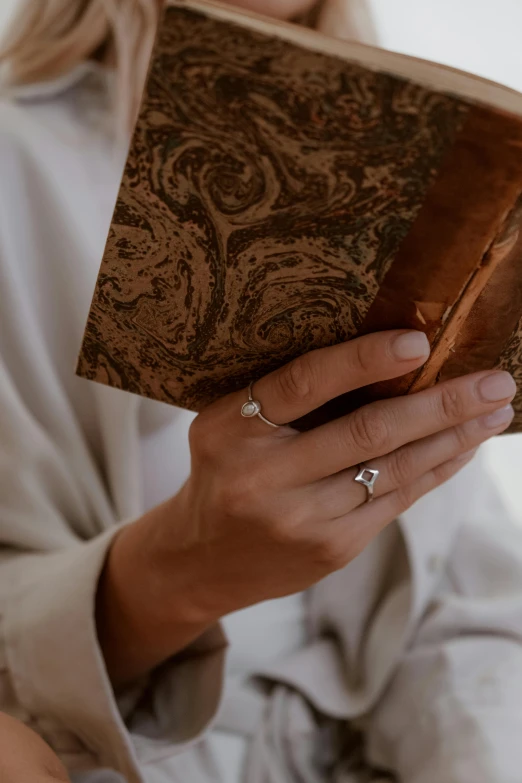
x=63, y=117
x=31, y=148
x=22, y=155
x=57, y=148
x=59, y=177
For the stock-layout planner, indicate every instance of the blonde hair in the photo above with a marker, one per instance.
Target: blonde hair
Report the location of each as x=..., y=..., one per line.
x=48, y=38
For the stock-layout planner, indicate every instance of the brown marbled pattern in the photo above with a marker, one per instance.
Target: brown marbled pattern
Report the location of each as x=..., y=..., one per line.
x=267, y=190
x=457, y=273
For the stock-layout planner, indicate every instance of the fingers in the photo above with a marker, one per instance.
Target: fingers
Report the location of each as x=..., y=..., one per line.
x=410, y=462
x=336, y=495
x=370, y=519
x=319, y=376
x=383, y=427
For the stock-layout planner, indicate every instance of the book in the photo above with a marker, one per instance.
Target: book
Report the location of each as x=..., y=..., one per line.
x=286, y=191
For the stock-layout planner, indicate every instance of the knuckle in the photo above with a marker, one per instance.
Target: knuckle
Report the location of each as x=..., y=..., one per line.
x=369, y=431
x=239, y=498
x=296, y=381
x=444, y=472
x=364, y=357
x=406, y=496
x=330, y=554
x=451, y=404
x=296, y=520
x=278, y=530
x=202, y=440
x=462, y=438
x=440, y=474
x=401, y=466
x=286, y=530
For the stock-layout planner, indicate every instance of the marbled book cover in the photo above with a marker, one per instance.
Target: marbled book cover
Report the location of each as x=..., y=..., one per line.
x=267, y=192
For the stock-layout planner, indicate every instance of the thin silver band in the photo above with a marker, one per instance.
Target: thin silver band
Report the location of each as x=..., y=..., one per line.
x=253, y=408
x=369, y=483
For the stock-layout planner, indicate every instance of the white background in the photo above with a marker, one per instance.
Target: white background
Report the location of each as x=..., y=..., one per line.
x=482, y=36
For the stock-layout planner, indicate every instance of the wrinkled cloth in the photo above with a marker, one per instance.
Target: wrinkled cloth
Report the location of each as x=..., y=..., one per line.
x=433, y=676
x=416, y=646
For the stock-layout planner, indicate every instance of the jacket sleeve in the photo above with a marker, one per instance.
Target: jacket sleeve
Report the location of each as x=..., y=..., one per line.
x=70, y=466
x=52, y=673
x=453, y=711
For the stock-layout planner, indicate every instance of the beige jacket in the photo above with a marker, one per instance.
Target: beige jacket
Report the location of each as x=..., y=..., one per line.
x=420, y=639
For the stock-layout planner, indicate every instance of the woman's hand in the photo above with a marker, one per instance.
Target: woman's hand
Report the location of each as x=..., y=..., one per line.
x=25, y=757
x=268, y=512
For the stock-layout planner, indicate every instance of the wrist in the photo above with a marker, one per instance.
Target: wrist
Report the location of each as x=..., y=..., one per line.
x=146, y=611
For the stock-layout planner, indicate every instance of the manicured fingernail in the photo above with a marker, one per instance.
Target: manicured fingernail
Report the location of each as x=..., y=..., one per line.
x=411, y=345
x=499, y=418
x=497, y=386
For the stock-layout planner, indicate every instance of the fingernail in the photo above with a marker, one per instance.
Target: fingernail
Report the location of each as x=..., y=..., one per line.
x=497, y=386
x=411, y=345
x=499, y=418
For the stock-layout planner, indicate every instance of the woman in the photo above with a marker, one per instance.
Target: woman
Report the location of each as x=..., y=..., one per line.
x=129, y=529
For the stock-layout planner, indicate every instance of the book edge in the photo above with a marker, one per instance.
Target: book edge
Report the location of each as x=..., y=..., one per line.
x=432, y=75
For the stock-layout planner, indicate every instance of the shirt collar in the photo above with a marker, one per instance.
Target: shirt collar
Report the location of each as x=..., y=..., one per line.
x=87, y=72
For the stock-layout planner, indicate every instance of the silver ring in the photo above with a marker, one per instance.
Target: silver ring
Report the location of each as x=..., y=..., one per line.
x=367, y=477
x=253, y=408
